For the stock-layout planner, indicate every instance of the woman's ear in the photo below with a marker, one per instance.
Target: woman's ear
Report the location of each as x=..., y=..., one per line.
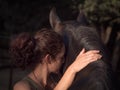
x=48, y=59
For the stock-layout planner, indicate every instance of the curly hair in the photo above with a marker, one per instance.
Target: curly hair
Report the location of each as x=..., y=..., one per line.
x=27, y=51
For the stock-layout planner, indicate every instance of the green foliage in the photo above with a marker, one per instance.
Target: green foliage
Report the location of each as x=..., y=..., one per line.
x=102, y=11
x=75, y=3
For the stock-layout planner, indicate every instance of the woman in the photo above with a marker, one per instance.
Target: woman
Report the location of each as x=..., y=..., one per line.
x=44, y=54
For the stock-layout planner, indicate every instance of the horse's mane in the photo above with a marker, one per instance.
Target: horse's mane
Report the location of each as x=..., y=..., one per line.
x=96, y=75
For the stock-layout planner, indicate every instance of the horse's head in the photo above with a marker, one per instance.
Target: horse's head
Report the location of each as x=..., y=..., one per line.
x=76, y=36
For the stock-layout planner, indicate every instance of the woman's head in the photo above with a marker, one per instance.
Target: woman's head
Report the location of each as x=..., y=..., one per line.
x=28, y=51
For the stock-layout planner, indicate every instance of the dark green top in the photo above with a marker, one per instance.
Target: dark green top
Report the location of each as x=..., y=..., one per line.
x=33, y=85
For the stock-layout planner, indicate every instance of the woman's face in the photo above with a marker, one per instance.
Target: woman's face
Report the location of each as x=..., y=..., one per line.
x=59, y=60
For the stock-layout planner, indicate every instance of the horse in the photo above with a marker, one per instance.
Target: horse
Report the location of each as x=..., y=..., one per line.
x=77, y=35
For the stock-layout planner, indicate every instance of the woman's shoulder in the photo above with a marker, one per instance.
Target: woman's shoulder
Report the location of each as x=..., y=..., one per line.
x=21, y=85
x=27, y=84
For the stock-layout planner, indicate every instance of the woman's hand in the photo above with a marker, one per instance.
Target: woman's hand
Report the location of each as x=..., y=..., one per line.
x=84, y=58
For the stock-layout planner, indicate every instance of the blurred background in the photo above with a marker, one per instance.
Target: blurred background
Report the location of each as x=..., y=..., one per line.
x=31, y=15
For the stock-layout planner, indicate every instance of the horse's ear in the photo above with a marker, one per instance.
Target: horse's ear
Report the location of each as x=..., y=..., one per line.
x=82, y=19
x=54, y=19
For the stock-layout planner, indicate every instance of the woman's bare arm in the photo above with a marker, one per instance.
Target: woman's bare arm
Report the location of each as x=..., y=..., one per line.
x=82, y=60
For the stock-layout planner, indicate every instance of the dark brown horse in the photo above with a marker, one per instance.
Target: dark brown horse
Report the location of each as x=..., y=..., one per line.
x=95, y=76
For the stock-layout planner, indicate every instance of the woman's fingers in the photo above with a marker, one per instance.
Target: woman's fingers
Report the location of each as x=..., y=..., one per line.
x=94, y=57
x=83, y=51
x=92, y=51
x=84, y=58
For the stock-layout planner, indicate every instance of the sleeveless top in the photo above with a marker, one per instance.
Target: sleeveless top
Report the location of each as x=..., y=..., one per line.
x=33, y=84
